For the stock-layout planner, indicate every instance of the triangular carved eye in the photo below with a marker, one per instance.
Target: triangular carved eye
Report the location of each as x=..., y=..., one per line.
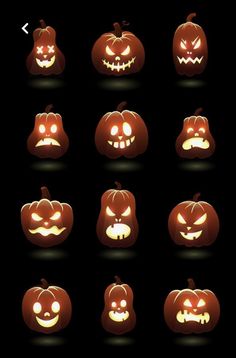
x=201, y=220
x=126, y=212
x=36, y=217
x=126, y=51
x=109, y=212
x=109, y=51
x=183, y=44
x=187, y=303
x=56, y=215
x=201, y=303
x=196, y=43
x=181, y=219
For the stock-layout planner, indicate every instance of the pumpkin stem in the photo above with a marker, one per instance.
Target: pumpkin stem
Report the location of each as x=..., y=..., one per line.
x=117, y=29
x=198, y=111
x=191, y=284
x=118, y=185
x=45, y=193
x=118, y=280
x=121, y=106
x=191, y=16
x=48, y=108
x=42, y=24
x=44, y=283
x=196, y=196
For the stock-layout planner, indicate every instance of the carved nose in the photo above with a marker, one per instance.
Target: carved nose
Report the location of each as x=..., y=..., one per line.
x=196, y=134
x=46, y=314
x=195, y=309
x=46, y=223
x=120, y=137
x=44, y=56
x=118, y=220
x=188, y=228
x=117, y=58
x=118, y=308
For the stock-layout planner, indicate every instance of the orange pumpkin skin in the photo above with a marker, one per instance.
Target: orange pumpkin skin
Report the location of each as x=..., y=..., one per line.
x=195, y=139
x=46, y=309
x=118, y=316
x=118, y=53
x=191, y=310
x=45, y=58
x=190, y=51
x=46, y=223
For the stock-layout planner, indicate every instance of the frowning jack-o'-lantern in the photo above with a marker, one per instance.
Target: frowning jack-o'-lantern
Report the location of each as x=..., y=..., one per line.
x=118, y=53
x=118, y=316
x=48, y=139
x=45, y=58
x=193, y=223
x=46, y=309
x=121, y=133
x=117, y=225
x=190, y=50
x=46, y=223
x=191, y=310
x=195, y=139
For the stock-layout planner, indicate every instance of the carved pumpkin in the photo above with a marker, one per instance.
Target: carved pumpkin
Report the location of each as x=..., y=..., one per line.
x=46, y=223
x=193, y=223
x=118, y=316
x=46, y=309
x=191, y=310
x=195, y=139
x=117, y=225
x=121, y=133
x=45, y=58
x=190, y=50
x=118, y=53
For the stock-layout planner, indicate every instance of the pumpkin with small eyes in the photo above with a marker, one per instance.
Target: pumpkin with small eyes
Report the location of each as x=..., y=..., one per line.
x=118, y=316
x=46, y=223
x=121, y=133
x=118, y=53
x=117, y=225
x=195, y=139
x=190, y=50
x=46, y=309
x=191, y=310
x=45, y=58
x=193, y=223
x=48, y=139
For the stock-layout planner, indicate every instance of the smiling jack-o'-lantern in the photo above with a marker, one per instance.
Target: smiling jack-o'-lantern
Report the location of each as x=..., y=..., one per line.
x=193, y=223
x=46, y=223
x=118, y=53
x=118, y=316
x=45, y=58
x=190, y=50
x=48, y=139
x=46, y=309
x=191, y=310
x=195, y=139
x=121, y=133
x=117, y=225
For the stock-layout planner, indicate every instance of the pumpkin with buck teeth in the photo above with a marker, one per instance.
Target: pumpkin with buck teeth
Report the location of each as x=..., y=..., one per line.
x=191, y=310
x=121, y=133
x=118, y=53
x=46, y=309
x=118, y=316
x=46, y=223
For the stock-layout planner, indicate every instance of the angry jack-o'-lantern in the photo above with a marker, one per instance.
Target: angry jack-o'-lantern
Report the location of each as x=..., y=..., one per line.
x=121, y=133
x=118, y=53
x=45, y=58
x=191, y=310
x=195, y=139
x=190, y=50
x=193, y=223
x=118, y=316
x=117, y=225
x=48, y=139
x=46, y=309
x=46, y=223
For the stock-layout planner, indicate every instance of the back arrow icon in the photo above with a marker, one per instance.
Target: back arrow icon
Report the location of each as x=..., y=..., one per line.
x=24, y=28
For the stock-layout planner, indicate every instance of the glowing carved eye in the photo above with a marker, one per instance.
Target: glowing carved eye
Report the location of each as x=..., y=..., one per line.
x=39, y=49
x=127, y=129
x=55, y=307
x=201, y=130
x=109, y=212
x=113, y=304
x=109, y=51
x=51, y=49
x=54, y=128
x=197, y=44
x=181, y=219
x=123, y=303
x=201, y=220
x=189, y=130
x=126, y=51
x=183, y=45
x=114, y=130
x=37, y=308
x=36, y=217
x=42, y=128
x=126, y=212
x=201, y=303
x=187, y=303
x=56, y=216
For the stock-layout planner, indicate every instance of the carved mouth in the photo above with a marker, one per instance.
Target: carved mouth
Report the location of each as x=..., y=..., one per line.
x=45, y=232
x=191, y=235
x=119, y=66
x=190, y=59
x=46, y=63
x=122, y=144
x=186, y=316
x=47, y=141
x=118, y=231
x=47, y=323
x=197, y=142
x=118, y=317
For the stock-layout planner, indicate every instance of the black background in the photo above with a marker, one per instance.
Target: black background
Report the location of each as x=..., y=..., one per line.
x=158, y=179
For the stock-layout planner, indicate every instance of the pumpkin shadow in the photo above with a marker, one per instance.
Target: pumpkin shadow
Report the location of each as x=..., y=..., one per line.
x=196, y=165
x=117, y=254
x=194, y=254
x=123, y=165
x=48, y=166
x=46, y=83
x=119, y=341
x=48, y=254
x=119, y=84
x=191, y=83
x=48, y=341
x=192, y=341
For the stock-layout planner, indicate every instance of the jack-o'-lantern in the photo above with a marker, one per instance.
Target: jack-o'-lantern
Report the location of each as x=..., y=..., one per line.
x=190, y=50
x=46, y=223
x=45, y=58
x=46, y=309
x=121, y=133
x=48, y=139
x=118, y=316
x=191, y=310
x=195, y=139
x=117, y=225
x=118, y=53
x=193, y=223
